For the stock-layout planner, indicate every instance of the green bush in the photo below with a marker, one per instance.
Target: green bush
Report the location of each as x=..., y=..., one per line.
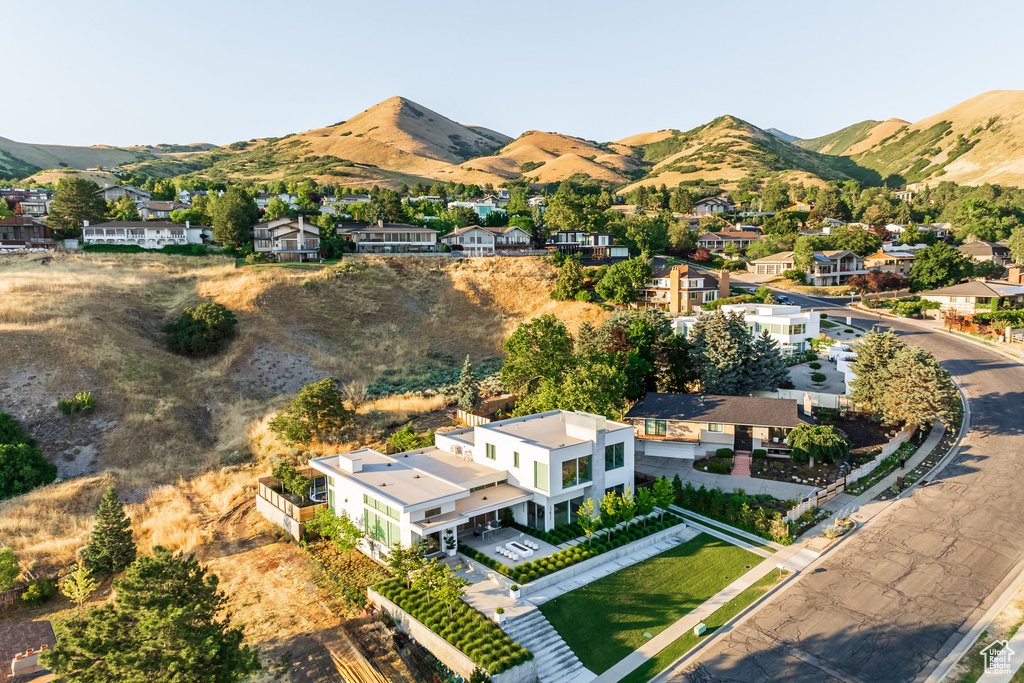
x=795, y=275
x=814, y=366
x=172, y=249
x=718, y=467
x=760, y=454
x=201, y=331
x=39, y=592
x=584, y=295
x=723, y=453
x=818, y=377
x=255, y=258
x=83, y=402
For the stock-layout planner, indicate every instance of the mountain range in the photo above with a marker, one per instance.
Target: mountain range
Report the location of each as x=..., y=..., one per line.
x=401, y=142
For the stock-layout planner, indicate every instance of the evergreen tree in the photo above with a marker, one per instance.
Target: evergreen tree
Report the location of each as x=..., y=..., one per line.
x=467, y=392
x=721, y=348
x=233, y=214
x=681, y=201
x=166, y=624
x=124, y=209
x=769, y=369
x=569, y=281
x=873, y=369
x=920, y=392
x=77, y=200
x=111, y=546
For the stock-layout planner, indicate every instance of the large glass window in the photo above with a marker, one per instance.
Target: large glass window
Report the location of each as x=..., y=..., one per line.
x=540, y=475
x=716, y=427
x=576, y=471
x=382, y=529
x=380, y=507
x=567, y=511
x=489, y=451
x=654, y=427
x=614, y=456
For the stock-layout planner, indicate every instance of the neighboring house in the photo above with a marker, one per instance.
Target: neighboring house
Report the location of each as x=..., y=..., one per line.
x=390, y=238
x=349, y=199
x=681, y=289
x=827, y=268
x=24, y=231
x=157, y=210
x=715, y=242
x=965, y=297
x=980, y=250
x=943, y=231
x=540, y=468
x=263, y=199
x=115, y=192
x=591, y=246
x=20, y=645
x=288, y=240
x=713, y=205
x=483, y=207
x=537, y=201
x=798, y=206
x=473, y=240
x=898, y=262
x=696, y=425
x=33, y=201
x=146, y=234
x=904, y=195
x=788, y=325
x=186, y=196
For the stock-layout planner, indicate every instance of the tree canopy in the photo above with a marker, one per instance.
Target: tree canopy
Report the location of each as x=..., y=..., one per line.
x=77, y=200
x=318, y=410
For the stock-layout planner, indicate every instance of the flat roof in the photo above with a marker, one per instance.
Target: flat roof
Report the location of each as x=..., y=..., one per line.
x=451, y=468
x=388, y=477
x=545, y=429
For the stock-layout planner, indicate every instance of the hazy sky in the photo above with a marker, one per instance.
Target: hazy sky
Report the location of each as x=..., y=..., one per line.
x=121, y=73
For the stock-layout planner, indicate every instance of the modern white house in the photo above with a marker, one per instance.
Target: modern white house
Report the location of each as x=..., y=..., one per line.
x=539, y=468
x=478, y=241
x=483, y=207
x=788, y=325
x=146, y=234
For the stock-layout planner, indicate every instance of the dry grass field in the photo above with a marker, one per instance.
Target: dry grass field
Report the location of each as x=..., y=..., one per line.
x=176, y=434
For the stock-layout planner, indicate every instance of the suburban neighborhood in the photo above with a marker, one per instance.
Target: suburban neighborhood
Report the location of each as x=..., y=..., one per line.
x=404, y=397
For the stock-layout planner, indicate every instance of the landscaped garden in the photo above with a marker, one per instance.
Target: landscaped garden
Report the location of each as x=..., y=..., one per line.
x=760, y=515
x=474, y=634
x=608, y=619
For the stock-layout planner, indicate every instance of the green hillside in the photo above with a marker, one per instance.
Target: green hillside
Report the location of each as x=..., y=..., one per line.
x=841, y=140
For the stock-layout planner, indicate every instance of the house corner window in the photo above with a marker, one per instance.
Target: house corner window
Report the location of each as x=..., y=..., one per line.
x=540, y=476
x=489, y=451
x=614, y=456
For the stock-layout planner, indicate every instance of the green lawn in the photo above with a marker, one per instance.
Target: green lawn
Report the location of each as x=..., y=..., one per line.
x=606, y=620
x=680, y=646
x=827, y=325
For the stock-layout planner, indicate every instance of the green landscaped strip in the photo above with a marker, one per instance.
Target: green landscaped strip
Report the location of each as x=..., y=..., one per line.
x=729, y=533
x=680, y=646
x=606, y=620
x=827, y=325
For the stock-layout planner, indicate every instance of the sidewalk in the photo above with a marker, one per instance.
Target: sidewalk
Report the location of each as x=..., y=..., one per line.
x=864, y=507
x=684, y=625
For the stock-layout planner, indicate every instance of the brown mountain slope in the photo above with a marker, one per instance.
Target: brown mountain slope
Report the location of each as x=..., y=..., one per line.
x=971, y=143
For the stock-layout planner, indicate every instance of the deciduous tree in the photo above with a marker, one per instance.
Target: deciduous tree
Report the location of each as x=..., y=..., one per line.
x=77, y=200
x=539, y=349
x=569, y=281
x=233, y=215
x=817, y=443
x=318, y=410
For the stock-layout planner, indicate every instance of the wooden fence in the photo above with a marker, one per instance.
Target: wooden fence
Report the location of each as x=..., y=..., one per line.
x=470, y=419
x=9, y=598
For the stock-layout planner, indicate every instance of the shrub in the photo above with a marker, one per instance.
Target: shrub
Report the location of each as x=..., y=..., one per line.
x=40, y=592
x=584, y=295
x=201, y=331
x=718, y=467
x=255, y=258
x=814, y=366
x=818, y=377
x=723, y=453
x=83, y=402
x=760, y=454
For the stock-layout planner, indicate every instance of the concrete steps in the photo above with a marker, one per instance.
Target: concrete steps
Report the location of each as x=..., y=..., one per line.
x=556, y=663
x=741, y=464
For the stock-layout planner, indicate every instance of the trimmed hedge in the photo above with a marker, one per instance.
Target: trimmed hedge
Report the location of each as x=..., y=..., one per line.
x=173, y=249
x=600, y=543
x=470, y=631
x=723, y=453
x=760, y=454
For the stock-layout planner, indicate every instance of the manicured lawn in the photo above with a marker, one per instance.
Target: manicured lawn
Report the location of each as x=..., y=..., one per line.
x=606, y=620
x=680, y=646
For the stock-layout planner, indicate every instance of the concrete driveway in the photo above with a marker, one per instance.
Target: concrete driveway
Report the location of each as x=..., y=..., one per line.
x=890, y=602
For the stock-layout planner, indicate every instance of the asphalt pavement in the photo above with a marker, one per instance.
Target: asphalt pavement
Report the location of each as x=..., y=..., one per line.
x=892, y=600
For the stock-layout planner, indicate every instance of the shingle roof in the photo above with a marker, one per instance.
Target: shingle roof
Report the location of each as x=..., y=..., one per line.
x=971, y=288
x=983, y=248
x=18, y=637
x=737, y=410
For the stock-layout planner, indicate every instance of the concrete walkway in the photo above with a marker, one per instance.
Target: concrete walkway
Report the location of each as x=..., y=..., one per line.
x=669, y=467
x=685, y=625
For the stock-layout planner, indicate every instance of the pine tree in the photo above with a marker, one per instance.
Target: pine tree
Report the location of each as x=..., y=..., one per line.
x=77, y=200
x=467, y=392
x=111, y=547
x=570, y=280
x=920, y=392
x=874, y=369
x=721, y=349
x=769, y=370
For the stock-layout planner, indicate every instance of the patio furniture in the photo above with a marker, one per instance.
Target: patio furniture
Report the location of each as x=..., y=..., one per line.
x=518, y=548
x=513, y=557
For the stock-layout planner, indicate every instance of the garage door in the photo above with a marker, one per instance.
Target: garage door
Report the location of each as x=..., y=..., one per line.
x=670, y=449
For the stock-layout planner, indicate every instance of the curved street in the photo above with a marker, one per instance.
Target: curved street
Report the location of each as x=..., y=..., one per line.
x=890, y=602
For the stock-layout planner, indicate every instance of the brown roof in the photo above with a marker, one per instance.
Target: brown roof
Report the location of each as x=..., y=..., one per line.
x=983, y=248
x=21, y=220
x=20, y=636
x=686, y=271
x=732, y=235
x=970, y=288
x=164, y=206
x=734, y=410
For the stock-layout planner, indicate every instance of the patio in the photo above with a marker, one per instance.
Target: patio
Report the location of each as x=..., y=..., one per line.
x=500, y=537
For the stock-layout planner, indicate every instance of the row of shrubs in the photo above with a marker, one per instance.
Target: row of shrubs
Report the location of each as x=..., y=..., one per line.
x=173, y=249
x=478, y=637
x=557, y=536
x=600, y=543
x=749, y=513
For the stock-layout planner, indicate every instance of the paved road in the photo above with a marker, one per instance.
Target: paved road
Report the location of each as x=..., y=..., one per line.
x=892, y=600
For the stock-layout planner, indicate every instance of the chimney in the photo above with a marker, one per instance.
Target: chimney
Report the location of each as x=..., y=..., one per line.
x=1014, y=275
x=187, y=225
x=301, y=224
x=380, y=222
x=723, y=284
x=86, y=224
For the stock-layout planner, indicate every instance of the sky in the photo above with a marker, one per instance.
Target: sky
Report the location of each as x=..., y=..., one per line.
x=128, y=73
